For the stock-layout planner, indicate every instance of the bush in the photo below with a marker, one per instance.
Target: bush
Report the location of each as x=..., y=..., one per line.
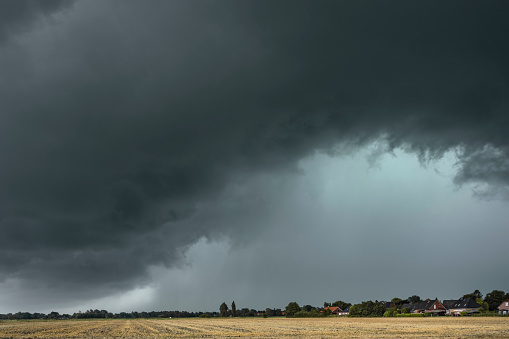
x=311, y=314
x=405, y=310
x=367, y=309
x=205, y=315
x=463, y=313
x=391, y=312
x=291, y=309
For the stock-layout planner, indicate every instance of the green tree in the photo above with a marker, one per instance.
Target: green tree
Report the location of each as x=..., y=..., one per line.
x=326, y=304
x=54, y=315
x=414, y=299
x=405, y=310
x=484, y=305
x=474, y=295
x=313, y=313
x=391, y=312
x=495, y=298
x=307, y=308
x=367, y=309
x=245, y=312
x=223, y=310
x=397, y=301
x=234, y=309
x=291, y=309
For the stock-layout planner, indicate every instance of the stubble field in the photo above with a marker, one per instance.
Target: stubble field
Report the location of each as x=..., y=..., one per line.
x=261, y=328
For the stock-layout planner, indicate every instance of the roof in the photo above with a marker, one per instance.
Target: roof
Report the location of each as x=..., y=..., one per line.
x=465, y=303
x=421, y=305
x=448, y=304
x=503, y=306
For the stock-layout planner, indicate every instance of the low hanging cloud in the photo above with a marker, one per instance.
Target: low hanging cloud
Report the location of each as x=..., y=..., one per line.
x=121, y=120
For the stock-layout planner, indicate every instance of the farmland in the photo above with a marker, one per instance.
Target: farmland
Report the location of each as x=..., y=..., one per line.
x=331, y=327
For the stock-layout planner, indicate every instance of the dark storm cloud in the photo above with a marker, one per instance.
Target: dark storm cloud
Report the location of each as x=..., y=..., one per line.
x=120, y=118
x=18, y=16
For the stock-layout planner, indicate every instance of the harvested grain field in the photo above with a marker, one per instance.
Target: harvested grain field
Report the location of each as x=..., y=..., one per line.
x=261, y=328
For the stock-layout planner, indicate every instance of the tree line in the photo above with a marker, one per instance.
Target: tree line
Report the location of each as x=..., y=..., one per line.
x=224, y=311
x=367, y=308
x=103, y=314
x=364, y=309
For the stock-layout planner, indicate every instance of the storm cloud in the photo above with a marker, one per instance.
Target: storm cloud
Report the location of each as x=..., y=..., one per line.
x=124, y=122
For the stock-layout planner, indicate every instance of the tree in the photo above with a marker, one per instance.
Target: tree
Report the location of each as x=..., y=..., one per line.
x=223, y=310
x=307, y=308
x=367, y=309
x=326, y=311
x=474, y=295
x=234, y=309
x=326, y=304
x=391, y=312
x=414, y=299
x=291, y=309
x=397, y=301
x=484, y=305
x=54, y=315
x=495, y=298
x=245, y=312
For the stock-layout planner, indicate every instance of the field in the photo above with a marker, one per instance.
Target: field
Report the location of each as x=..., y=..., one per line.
x=261, y=328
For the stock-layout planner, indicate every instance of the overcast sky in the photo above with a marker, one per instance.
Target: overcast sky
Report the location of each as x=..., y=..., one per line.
x=163, y=155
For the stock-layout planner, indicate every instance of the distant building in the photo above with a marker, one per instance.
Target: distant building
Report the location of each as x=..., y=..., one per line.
x=346, y=311
x=427, y=306
x=333, y=309
x=468, y=305
x=448, y=304
x=503, y=308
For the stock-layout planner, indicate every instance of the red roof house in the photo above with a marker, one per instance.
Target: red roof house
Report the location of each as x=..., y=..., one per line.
x=334, y=309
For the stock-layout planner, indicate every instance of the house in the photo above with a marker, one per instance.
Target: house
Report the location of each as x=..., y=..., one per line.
x=448, y=304
x=346, y=311
x=435, y=307
x=504, y=307
x=428, y=306
x=468, y=305
x=334, y=309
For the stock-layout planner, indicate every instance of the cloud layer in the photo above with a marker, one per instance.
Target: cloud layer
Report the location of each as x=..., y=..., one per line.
x=122, y=121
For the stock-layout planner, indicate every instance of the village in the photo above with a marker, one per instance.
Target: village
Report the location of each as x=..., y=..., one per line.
x=461, y=307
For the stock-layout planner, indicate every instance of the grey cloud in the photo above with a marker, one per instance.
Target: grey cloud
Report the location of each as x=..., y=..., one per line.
x=19, y=16
x=122, y=118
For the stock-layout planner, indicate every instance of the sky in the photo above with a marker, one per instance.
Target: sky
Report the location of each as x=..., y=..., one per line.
x=172, y=155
